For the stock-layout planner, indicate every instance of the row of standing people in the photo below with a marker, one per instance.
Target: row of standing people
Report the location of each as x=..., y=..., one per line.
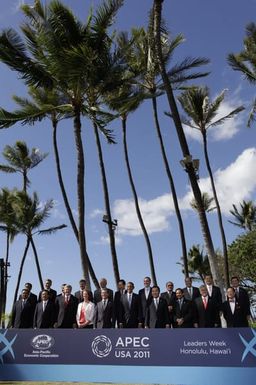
x=187, y=307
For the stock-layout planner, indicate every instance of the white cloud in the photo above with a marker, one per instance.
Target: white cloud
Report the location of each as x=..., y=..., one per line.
x=96, y=213
x=104, y=240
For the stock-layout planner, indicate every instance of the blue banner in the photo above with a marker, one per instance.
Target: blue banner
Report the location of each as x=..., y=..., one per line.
x=130, y=355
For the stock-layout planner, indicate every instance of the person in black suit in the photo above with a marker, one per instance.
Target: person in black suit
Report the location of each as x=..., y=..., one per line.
x=170, y=297
x=235, y=312
x=52, y=293
x=117, y=297
x=104, y=313
x=66, y=308
x=145, y=295
x=213, y=291
x=207, y=310
x=157, y=315
x=23, y=312
x=97, y=293
x=190, y=292
x=32, y=298
x=130, y=315
x=62, y=290
x=44, y=316
x=183, y=314
x=79, y=293
x=241, y=295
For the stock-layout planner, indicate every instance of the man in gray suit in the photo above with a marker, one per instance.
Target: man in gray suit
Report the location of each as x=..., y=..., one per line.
x=104, y=312
x=157, y=315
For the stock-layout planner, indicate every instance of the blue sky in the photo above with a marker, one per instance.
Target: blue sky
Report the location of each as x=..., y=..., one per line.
x=212, y=30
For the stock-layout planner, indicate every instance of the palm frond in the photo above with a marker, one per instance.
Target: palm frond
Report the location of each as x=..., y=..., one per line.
x=228, y=116
x=51, y=230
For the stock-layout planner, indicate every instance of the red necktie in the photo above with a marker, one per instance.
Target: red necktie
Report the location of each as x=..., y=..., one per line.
x=205, y=302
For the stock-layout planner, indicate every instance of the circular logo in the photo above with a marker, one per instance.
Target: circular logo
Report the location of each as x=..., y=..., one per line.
x=101, y=346
x=42, y=341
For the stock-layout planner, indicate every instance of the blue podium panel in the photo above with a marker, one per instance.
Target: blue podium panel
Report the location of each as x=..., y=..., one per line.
x=180, y=356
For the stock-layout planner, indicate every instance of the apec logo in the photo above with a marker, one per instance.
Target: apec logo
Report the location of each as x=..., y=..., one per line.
x=7, y=346
x=249, y=346
x=42, y=342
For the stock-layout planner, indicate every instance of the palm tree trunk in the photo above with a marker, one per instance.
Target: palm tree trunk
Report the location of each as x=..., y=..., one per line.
x=66, y=202
x=222, y=232
x=184, y=146
x=173, y=189
x=37, y=262
x=111, y=230
x=137, y=207
x=21, y=270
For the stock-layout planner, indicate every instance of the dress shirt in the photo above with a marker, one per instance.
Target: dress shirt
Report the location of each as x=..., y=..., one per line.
x=232, y=304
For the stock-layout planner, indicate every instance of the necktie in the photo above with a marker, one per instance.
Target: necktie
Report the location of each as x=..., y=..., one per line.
x=23, y=303
x=44, y=305
x=156, y=303
x=104, y=304
x=205, y=302
x=180, y=303
x=129, y=299
x=190, y=291
x=237, y=292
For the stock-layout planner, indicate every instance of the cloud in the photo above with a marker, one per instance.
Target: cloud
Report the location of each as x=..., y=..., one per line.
x=104, y=240
x=96, y=213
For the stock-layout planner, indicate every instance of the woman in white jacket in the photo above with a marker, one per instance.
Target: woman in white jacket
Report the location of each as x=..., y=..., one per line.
x=85, y=312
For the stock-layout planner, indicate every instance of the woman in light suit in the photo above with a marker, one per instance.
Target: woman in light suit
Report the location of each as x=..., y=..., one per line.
x=85, y=312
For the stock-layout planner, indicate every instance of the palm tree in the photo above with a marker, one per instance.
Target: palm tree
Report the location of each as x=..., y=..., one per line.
x=207, y=202
x=245, y=62
x=29, y=216
x=202, y=114
x=157, y=14
x=198, y=262
x=21, y=160
x=245, y=217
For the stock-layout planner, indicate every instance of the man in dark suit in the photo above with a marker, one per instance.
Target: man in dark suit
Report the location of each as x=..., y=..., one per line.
x=235, y=312
x=44, y=316
x=241, y=294
x=104, y=312
x=32, y=298
x=157, y=315
x=170, y=297
x=103, y=285
x=117, y=297
x=66, y=308
x=51, y=293
x=62, y=290
x=79, y=293
x=23, y=312
x=190, y=292
x=145, y=296
x=213, y=291
x=183, y=314
x=207, y=310
x=130, y=309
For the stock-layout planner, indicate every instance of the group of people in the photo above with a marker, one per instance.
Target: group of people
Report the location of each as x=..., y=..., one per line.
x=186, y=307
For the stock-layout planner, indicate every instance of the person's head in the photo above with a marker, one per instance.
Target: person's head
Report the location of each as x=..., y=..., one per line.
x=203, y=291
x=230, y=292
x=130, y=287
x=24, y=293
x=147, y=281
x=48, y=284
x=86, y=296
x=103, y=283
x=208, y=279
x=63, y=287
x=188, y=282
x=82, y=284
x=67, y=289
x=234, y=281
x=44, y=295
x=121, y=284
x=155, y=291
x=169, y=286
x=104, y=294
x=179, y=293
x=28, y=286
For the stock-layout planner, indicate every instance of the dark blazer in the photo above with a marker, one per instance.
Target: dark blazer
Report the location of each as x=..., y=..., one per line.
x=243, y=298
x=130, y=317
x=32, y=298
x=44, y=319
x=79, y=295
x=209, y=317
x=97, y=295
x=216, y=295
x=145, y=302
x=239, y=318
x=52, y=295
x=185, y=311
x=104, y=318
x=117, y=304
x=157, y=318
x=22, y=318
x=170, y=299
x=66, y=314
x=195, y=293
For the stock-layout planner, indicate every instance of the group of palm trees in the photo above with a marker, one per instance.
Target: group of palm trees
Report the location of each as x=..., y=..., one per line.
x=75, y=70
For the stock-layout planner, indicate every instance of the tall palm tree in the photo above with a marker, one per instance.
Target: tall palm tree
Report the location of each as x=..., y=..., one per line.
x=245, y=216
x=245, y=62
x=198, y=262
x=207, y=202
x=21, y=160
x=157, y=14
x=202, y=114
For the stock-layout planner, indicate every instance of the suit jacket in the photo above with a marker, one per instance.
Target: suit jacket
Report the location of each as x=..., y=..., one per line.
x=22, y=317
x=184, y=311
x=170, y=299
x=52, y=295
x=66, y=313
x=32, y=298
x=157, y=318
x=243, y=299
x=216, y=295
x=130, y=316
x=195, y=293
x=145, y=302
x=239, y=318
x=104, y=318
x=209, y=317
x=117, y=304
x=79, y=295
x=97, y=295
x=44, y=319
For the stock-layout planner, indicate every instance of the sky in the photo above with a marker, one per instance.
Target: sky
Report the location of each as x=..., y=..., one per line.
x=211, y=30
